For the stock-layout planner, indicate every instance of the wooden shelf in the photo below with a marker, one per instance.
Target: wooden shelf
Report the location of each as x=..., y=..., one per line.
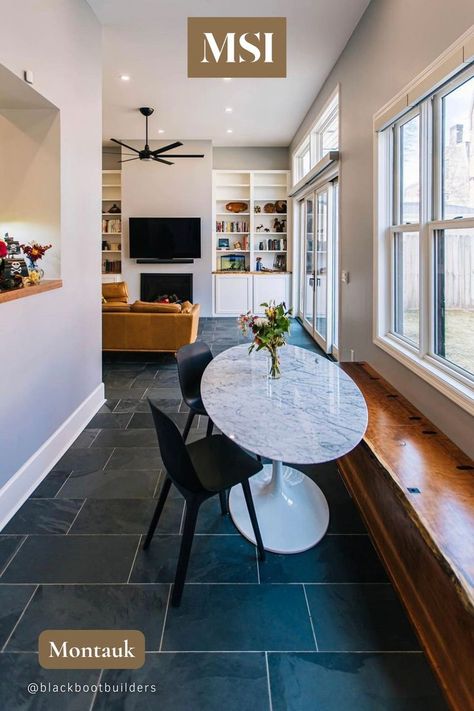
x=111, y=214
x=46, y=285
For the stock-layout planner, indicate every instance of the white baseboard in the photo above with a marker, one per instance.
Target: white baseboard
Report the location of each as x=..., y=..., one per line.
x=19, y=487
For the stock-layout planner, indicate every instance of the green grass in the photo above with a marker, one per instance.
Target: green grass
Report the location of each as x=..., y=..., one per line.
x=459, y=335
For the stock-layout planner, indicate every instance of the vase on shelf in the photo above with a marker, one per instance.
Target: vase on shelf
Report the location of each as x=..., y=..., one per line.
x=35, y=272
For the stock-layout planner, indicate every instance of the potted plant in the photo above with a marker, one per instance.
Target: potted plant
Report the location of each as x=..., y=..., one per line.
x=269, y=332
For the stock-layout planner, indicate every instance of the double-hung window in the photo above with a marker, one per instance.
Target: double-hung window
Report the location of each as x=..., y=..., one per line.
x=425, y=238
x=322, y=138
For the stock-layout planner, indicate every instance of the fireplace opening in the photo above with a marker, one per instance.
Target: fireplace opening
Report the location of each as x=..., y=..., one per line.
x=155, y=286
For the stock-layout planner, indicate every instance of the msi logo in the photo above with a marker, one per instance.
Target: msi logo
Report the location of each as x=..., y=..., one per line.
x=237, y=47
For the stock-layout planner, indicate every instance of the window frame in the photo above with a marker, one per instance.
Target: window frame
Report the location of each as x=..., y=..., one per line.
x=447, y=377
x=314, y=138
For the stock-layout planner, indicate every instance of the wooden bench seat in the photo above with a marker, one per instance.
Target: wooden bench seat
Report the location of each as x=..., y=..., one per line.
x=415, y=490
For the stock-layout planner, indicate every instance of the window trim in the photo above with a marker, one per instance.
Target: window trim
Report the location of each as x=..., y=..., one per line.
x=449, y=379
x=312, y=137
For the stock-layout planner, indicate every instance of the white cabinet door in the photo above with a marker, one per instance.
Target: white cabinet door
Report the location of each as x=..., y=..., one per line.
x=270, y=287
x=232, y=294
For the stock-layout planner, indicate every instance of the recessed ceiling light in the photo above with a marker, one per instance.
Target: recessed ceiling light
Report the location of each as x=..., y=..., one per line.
x=161, y=130
x=226, y=78
x=125, y=77
x=229, y=130
x=228, y=109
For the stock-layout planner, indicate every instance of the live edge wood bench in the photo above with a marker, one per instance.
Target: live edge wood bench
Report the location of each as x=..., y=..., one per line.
x=415, y=491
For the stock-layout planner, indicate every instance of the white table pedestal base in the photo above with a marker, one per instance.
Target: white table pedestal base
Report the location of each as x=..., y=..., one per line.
x=292, y=511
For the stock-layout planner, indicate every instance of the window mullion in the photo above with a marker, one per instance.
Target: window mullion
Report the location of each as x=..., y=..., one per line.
x=426, y=260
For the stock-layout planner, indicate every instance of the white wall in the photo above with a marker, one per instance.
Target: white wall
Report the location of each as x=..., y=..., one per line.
x=51, y=342
x=394, y=41
x=249, y=158
x=181, y=190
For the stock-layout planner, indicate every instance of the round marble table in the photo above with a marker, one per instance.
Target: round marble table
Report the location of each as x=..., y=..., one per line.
x=314, y=413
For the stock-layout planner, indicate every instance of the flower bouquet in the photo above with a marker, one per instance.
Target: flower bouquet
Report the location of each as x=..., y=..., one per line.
x=268, y=331
x=34, y=252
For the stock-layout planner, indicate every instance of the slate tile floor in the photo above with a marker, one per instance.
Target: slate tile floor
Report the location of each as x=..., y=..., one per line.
x=319, y=631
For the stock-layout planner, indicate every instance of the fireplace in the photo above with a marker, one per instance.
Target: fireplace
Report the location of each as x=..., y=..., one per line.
x=152, y=286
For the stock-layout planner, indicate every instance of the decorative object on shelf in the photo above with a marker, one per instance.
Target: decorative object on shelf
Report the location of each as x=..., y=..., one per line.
x=269, y=207
x=114, y=209
x=279, y=225
x=280, y=206
x=34, y=252
x=237, y=245
x=237, y=207
x=13, y=267
x=261, y=246
x=233, y=263
x=280, y=263
x=258, y=265
x=258, y=228
x=32, y=279
x=269, y=332
x=223, y=243
x=257, y=209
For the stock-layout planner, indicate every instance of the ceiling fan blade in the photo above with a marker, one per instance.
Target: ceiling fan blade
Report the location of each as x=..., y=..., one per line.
x=135, y=150
x=128, y=160
x=167, y=148
x=161, y=160
x=117, y=153
x=185, y=155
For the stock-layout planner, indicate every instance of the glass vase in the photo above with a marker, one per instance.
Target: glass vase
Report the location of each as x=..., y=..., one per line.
x=273, y=364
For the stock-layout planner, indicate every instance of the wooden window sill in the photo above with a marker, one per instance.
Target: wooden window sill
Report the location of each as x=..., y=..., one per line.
x=46, y=285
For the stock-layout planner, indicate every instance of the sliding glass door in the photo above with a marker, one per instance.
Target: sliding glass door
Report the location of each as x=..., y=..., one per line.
x=320, y=284
x=308, y=267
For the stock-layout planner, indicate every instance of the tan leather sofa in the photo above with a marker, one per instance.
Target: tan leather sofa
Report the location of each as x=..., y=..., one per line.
x=142, y=326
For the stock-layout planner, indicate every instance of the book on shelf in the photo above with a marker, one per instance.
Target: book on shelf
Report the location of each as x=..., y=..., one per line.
x=234, y=226
x=111, y=266
x=111, y=226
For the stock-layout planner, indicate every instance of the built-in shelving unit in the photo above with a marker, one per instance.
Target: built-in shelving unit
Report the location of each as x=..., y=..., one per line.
x=111, y=225
x=257, y=237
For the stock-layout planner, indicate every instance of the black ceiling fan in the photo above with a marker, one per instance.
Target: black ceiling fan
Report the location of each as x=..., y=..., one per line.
x=146, y=153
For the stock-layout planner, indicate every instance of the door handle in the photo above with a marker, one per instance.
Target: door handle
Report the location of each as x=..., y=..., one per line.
x=311, y=281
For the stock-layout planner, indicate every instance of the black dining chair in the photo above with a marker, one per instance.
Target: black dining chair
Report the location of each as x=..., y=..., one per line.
x=192, y=362
x=199, y=471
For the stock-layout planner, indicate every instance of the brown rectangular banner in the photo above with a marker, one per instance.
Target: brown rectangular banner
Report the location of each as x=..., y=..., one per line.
x=252, y=47
x=91, y=649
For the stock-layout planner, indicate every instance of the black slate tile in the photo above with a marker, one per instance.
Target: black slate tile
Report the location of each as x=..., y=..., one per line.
x=134, y=393
x=109, y=405
x=50, y=485
x=43, y=516
x=130, y=405
x=110, y=484
x=210, y=519
x=126, y=516
x=21, y=669
x=8, y=548
x=85, y=439
x=13, y=599
x=109, y=420
x=335, y=559
x=358, y=682
x=141, y=420
x=165, y=404
x=72, y=559
x=214, y=559
x=163, y=393
x=192, y=682
x=140, y=607
x=359, y=618
x=84, y=460
x=135, y=458
x=239, y=617
x=126, y=438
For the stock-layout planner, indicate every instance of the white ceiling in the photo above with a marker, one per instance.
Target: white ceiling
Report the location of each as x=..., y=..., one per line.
x=147, y=40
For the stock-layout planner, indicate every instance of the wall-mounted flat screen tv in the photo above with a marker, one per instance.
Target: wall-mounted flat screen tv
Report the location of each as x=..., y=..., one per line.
x=165, y=237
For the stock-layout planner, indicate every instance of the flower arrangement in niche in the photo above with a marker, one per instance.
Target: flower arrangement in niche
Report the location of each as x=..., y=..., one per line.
x=269, y=332
x=34, y=252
